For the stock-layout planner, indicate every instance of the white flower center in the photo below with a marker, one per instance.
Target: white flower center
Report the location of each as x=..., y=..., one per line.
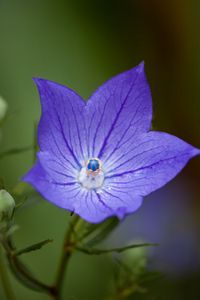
x=91, y=176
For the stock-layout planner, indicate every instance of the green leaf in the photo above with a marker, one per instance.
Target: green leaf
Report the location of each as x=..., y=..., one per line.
x=94, y=251
x=33, y=247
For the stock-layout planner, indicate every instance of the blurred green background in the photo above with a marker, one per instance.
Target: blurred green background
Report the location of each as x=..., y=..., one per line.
x=81, y=44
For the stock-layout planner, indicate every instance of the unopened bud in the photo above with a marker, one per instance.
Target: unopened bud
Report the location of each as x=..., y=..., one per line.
x=7, y=205
x=3, y=108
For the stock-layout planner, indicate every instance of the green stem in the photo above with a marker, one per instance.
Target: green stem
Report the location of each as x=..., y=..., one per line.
x=68, y=248
x=21, y=272
x=5, y=280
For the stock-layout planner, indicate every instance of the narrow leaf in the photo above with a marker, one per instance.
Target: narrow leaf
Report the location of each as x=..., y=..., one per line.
x=33, y=247
x=93, y=251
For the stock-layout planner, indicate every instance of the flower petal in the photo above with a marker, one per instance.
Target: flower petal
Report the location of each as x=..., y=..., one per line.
x=121, y=202
x=96, y=206
x=61, y=194
x=70, y=196
x=62, y=129
x=149, y=163
x=118, y=111
x=60, y=172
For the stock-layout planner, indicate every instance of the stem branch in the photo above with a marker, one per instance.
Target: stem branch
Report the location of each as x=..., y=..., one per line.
x=5, y=280
x=68, y=248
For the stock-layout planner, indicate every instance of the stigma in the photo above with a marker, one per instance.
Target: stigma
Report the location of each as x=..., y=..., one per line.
x=93, y=166
x=91, y=176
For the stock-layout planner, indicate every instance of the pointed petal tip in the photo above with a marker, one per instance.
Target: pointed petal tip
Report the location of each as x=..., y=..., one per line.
x=38, y=80
x=26, y=177
x=196, y=152
x=42, y=81
x=140, y=67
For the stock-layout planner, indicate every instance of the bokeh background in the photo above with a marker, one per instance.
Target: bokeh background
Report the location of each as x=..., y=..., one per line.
x=81, y=44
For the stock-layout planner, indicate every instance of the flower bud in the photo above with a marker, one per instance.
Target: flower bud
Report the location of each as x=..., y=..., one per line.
x=136, y=257
x=3, y=108
x=7, y=205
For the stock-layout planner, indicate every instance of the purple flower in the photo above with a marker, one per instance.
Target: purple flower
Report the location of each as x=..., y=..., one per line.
x=100, y=158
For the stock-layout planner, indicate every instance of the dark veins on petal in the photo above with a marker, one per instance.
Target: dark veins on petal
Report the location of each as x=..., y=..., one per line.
x=115, y=120
x=121, y=142
x=144, y=167
x=101, y=201
x=66, y=142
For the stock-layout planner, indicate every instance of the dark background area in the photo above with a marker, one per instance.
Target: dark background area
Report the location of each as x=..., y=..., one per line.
x=81, y=44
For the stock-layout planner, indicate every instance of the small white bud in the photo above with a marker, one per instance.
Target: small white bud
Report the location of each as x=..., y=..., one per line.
x=7, y=205
x=3, y=108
